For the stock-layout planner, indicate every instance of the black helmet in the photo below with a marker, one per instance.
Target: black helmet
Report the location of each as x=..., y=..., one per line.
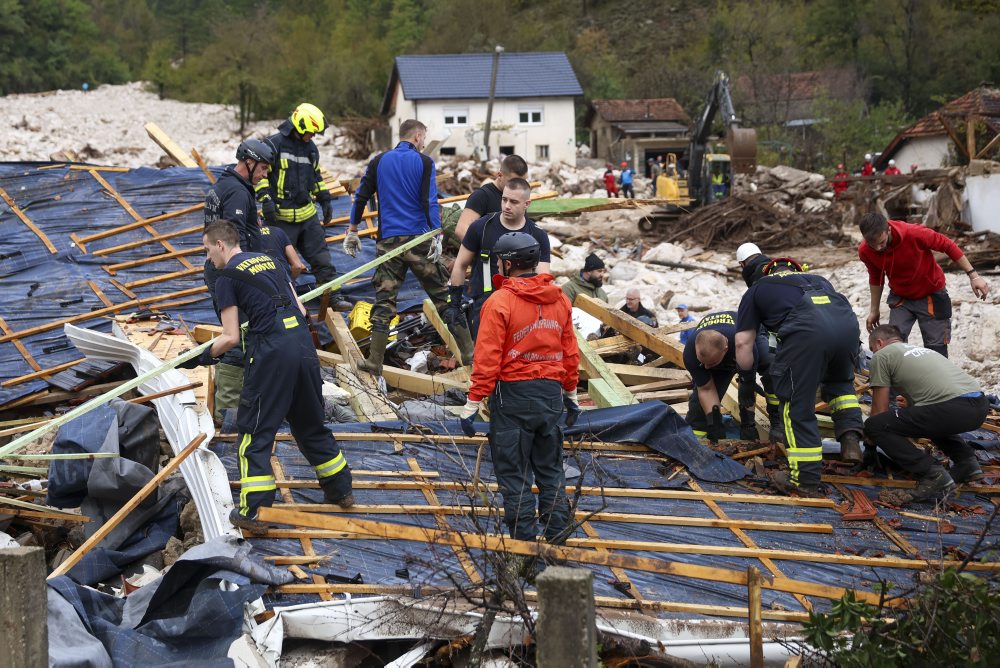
x=520, y=248
x=255, y=149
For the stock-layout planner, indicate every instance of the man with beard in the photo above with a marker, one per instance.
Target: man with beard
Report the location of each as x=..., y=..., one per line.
x=590, y=282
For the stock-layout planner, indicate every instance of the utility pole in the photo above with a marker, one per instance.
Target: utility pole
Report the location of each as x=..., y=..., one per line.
x=489, y=106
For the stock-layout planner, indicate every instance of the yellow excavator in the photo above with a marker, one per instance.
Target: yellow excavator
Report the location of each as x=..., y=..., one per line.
x=710, y=175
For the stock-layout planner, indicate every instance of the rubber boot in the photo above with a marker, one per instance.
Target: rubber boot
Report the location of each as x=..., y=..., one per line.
x=463, y=337
x=850, y=448
x=376, y=353
x=228, y=386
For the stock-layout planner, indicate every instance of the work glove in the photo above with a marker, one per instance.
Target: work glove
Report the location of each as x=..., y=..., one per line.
x=716, y=432
x=572, y=407
x=203, y=359
x=327, y=211
x=352, y=243
x=434, y=254
x=747, y=394
x=453, y=316
x=270, y=211
x=468, y=413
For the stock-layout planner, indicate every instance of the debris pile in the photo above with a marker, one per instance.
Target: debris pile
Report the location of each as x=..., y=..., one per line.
x=774, y=207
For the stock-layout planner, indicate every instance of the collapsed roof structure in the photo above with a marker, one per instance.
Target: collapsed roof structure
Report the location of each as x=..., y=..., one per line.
x=668, y=526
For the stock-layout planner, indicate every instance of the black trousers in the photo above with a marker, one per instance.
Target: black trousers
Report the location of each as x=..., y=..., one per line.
x=526, y=446
x=282, y=381
x=309, y=237
x=817, y=348
x=939, y=422
x=696, y=414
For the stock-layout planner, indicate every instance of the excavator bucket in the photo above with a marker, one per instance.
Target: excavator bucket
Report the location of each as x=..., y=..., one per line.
x=742, y=149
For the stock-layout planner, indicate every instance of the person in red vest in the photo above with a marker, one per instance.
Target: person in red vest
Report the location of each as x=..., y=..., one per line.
x=892, y=169
x=840, y=182
x=867, y=169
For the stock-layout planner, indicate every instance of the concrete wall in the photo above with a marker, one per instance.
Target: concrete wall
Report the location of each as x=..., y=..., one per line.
x=557, y=129
x=927, y=152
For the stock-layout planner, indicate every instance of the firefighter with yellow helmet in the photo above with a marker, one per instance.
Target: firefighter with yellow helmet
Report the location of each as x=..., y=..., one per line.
x=293, y=195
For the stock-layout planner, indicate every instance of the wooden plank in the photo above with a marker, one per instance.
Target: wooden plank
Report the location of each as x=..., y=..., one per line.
x=620, y=574
x=433, y=317
x=390, y=531
x=139, y=222
x=132, y=212
x=169, y=146
x=306, y=542
x=124, y=511
x=611, y=391
x=114, y=268
x=675, y=494
x=96, y=289
x=145, y=242
x=626, y=518
x=632, y=375
x=9, y=335
x=41, y=374
x=666, y=396
x=463, y=557
x=90, y=315
x=657, y=340
x=404, y=379
x=902, y=484
x=163, y=278
x=200, y=161
x=749, y=543
x=16, y=210
x=366, y=397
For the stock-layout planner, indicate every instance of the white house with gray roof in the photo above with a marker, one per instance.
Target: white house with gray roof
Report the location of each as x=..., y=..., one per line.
x=533, y=110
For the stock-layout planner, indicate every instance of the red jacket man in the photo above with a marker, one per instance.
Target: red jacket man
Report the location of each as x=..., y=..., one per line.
x=527, y=362
x=610, y=184
x=867, y=169
x=903, y=254
x=892, y=169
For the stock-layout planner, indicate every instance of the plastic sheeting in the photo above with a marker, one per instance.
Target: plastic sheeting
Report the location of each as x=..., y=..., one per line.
x=416, y=566
x=42, y=287
x=190, y=616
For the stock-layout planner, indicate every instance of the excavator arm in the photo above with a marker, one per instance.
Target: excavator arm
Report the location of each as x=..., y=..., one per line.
x=741, y=142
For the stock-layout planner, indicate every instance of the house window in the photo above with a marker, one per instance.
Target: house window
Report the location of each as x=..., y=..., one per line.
x=541, y=152
x=456, y=116
x=447, y=150
x=529, y=115
x=507, y=150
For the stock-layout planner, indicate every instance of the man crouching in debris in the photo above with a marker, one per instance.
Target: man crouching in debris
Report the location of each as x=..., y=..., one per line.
x=941, y=402
x=818, y=343
x=527, y=361
x=282, y=378
x=710, y=358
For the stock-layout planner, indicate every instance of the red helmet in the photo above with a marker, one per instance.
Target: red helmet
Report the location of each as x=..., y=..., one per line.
x=624, y=164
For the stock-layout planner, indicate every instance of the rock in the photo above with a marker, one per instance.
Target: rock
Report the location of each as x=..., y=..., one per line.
x=813, y=205
x=664, y=253
x=983, y=343
x=624, y=270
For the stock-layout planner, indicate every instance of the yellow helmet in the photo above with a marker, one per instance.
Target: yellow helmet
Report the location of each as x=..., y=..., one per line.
x=307, y=118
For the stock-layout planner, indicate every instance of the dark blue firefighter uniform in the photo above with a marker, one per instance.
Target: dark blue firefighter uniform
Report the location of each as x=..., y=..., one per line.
x=723, y=322
x=818, y=346
x=282, y=381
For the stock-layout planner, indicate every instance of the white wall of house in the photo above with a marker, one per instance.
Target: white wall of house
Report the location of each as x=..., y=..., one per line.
x=537, y=129
x=927, y=152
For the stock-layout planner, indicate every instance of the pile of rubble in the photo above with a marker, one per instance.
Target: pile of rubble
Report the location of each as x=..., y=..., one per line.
x=775, y=206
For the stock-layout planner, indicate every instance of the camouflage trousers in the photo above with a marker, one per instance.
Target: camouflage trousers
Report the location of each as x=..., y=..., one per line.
x=389, y=276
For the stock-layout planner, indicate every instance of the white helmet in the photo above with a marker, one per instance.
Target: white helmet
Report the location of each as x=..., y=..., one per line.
x=892, y=163
x=746, y=250
x=868, y=157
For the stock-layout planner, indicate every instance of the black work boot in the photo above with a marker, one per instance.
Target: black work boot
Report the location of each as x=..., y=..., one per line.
x=783, y=483
x=338, y=303
x=376, y=353
x=850, y=448
x=251, y=524
x=967, y=470
x=934, y=484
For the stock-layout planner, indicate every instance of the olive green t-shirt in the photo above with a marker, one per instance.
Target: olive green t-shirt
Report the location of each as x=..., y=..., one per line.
x=923, y=376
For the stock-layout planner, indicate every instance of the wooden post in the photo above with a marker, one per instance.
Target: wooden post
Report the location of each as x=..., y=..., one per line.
x=133, y=503
x=23, y=608
x=169, y=146
x=567, y=629
x=756, y=628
